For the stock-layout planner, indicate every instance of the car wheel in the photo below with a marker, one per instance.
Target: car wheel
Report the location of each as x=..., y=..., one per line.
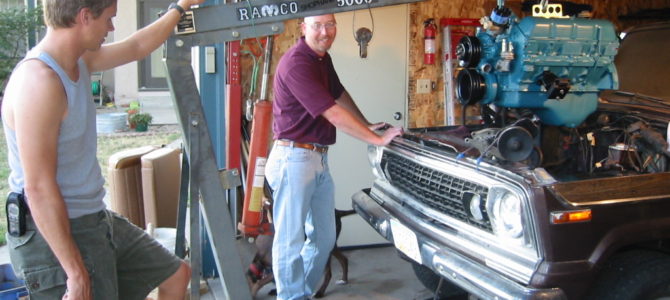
x=430, y=280
x=637, y=274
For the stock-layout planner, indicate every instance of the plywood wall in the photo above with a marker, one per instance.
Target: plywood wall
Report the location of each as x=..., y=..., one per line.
x=428, y=109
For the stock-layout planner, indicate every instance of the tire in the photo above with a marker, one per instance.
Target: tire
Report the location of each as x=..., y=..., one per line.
x=430, y=280
x=636, y=274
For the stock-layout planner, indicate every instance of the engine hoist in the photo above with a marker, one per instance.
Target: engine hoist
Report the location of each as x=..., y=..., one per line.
x=209, y=188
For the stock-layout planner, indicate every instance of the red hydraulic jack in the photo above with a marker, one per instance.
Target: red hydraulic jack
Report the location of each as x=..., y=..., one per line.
x=254, y=220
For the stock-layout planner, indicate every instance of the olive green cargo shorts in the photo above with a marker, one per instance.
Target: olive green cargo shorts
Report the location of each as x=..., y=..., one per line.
x=124, y=262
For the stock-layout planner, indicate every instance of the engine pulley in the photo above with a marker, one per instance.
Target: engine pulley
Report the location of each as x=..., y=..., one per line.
x=470, y=86
x=512, y=143
x=469, y=51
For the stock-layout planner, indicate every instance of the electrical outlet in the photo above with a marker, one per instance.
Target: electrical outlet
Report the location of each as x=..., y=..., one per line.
x=423, y=86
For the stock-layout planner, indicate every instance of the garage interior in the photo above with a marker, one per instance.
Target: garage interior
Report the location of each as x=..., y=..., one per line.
x=393, y=83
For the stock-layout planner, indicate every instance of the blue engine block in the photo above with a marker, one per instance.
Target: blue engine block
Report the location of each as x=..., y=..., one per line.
x=554, y=67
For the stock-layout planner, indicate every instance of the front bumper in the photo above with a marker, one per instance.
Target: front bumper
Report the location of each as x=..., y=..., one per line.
x=459, y=269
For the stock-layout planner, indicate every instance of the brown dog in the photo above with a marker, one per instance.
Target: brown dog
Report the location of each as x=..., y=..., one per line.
x=337, y=253
x=260, y=270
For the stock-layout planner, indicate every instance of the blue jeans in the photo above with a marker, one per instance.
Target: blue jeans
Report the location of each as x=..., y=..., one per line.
x=304, y=219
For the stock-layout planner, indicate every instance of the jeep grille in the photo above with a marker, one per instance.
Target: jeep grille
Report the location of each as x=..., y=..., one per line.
x=435, y=189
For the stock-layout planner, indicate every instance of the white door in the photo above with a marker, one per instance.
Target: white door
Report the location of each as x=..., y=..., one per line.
x=378, y=85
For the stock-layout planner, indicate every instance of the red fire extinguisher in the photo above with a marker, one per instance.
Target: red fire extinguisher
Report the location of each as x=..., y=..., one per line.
x=429, y=32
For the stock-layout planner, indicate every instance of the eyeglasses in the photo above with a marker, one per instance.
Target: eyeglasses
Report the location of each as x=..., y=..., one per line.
x=328, y=26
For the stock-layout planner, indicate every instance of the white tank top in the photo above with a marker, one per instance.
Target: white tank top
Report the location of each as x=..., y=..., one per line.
x=78, y=172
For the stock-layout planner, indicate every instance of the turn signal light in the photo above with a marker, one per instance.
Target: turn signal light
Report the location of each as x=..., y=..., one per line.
x=562, y=217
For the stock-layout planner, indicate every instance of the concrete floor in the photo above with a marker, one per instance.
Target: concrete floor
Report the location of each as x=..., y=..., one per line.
x=374, y=274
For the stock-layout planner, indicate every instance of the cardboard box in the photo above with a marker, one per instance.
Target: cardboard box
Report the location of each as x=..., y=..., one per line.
x=125, y=183
x=161, y=179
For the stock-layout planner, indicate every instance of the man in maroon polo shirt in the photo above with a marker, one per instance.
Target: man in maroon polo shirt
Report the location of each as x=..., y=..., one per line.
x=309, y=104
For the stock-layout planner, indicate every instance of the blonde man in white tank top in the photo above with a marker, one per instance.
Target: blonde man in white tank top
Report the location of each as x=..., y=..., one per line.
x=50, y=124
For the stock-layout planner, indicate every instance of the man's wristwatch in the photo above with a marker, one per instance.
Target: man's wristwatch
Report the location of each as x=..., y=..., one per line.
x=177, y=7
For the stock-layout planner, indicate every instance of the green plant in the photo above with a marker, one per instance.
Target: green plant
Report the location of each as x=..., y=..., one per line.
x=141, y=118
x=16, y=24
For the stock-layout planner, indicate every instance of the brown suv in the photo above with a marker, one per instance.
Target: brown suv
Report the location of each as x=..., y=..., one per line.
x=532, y=210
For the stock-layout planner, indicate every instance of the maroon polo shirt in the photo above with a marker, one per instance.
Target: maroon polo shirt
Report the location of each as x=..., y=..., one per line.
x=305, y=85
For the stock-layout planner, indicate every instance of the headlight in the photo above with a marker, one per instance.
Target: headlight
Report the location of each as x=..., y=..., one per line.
x=509, y=211
x=505, y=209
x=375, y=157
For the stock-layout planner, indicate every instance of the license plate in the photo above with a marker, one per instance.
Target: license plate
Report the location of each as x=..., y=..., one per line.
x=405, y=240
